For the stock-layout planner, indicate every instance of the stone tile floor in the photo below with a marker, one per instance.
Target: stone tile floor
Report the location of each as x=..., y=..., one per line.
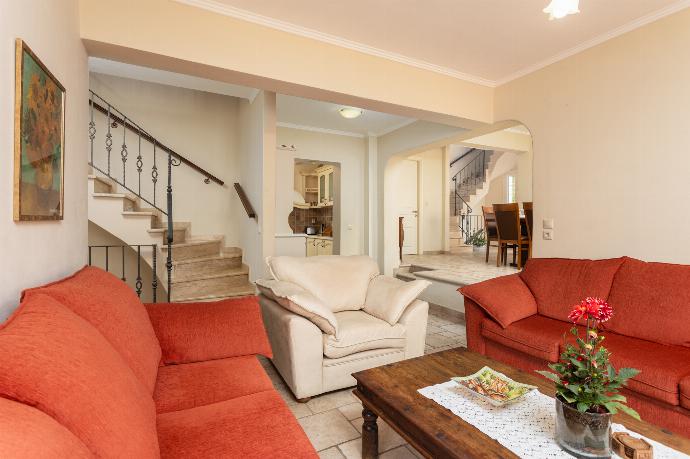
x=333, y=421
x=460, y=269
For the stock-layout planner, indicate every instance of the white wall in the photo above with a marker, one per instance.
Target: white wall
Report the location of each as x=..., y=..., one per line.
x=32, y=253
x=257, y=177
x=611, y=137
x=350, y=154
x=201, y=126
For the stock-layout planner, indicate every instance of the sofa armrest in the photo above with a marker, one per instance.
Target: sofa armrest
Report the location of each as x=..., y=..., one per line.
x=298, y=345
x=415, y=321
x=506, y=299
x=194, y=332
x=474, y=316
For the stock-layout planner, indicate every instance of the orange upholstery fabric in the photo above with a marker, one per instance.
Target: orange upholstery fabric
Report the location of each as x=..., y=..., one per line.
x=558, y=284
x=26, y=432
x=652, y=301
x=661, y=367
x=685, y=392
x=114, y=309
x=507, y=299
x=194, y=384
x=254, y=426
x=537, y=336
x=57, y=362
x=194, y=332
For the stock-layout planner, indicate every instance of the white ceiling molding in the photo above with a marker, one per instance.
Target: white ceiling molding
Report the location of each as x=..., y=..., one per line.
x=318, y=129
x=238, y=13
x=637, y=23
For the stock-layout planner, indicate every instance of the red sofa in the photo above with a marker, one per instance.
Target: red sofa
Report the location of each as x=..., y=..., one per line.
x=521, y=320
x=87, y=370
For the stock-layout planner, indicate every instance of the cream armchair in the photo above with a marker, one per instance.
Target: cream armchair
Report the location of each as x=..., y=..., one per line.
x=330, y=316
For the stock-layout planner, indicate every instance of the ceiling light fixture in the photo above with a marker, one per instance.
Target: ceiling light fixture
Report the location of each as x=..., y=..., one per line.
x=350, y=112
x=558, y=9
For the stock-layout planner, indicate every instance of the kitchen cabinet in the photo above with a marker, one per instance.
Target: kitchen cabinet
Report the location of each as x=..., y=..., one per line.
x=319, y=246
x=325, y=174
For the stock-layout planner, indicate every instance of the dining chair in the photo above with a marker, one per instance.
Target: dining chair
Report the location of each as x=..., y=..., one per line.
x=489, y=228
x=509, y=232
x=527, y=207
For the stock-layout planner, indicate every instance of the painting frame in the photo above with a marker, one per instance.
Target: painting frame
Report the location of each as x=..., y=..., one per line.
x=23, y=191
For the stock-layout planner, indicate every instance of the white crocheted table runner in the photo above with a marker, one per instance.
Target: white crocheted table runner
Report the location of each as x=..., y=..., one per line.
x=525, y=427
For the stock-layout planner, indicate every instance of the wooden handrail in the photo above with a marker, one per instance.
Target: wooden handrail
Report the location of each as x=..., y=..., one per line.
x=462, y=156
x=145, y=135
x=245, y=201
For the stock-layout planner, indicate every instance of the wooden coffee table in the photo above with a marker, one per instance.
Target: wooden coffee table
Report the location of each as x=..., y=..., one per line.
x=390, y=392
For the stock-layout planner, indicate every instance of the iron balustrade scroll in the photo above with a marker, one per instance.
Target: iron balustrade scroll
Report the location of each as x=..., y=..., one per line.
x=150, y=152
x=119, y=251
x=465, y=182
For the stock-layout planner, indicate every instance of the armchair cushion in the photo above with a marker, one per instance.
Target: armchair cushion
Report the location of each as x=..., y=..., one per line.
x=359, y=332
x=340, y=282
x=296, y=299
x=387, y=297
x=194, y=332
x=506, y=299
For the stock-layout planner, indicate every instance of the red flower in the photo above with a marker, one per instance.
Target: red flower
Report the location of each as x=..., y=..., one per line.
x=591, y=308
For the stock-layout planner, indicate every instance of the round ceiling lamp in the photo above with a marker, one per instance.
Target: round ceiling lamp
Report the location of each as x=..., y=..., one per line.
x=559, y=9
x=350, y=112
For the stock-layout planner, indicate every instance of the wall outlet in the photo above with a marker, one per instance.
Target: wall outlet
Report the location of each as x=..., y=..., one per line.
x=548, y=235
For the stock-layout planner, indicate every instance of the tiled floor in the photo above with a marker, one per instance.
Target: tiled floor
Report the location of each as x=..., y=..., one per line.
x=460, y=269
x=333, y=421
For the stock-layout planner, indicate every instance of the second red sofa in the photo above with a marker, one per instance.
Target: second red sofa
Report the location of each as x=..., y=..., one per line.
x=521, y=319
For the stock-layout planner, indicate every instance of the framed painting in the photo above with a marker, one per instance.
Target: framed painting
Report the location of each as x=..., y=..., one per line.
x=39, y=139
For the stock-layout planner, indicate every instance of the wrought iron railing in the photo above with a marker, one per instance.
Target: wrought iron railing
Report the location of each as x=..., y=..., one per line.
x=473, y=230
x=121, y=254
x=465, y=183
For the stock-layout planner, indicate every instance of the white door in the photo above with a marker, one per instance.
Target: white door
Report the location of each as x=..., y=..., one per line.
x=407, y=192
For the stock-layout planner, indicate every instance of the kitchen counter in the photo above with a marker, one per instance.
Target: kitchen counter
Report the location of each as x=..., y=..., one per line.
x=312, y=236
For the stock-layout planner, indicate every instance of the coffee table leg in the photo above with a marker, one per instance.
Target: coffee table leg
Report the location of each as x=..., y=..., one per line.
x=370, y=435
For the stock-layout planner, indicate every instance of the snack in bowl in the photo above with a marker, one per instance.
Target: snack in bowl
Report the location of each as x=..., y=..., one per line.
x=494, y=387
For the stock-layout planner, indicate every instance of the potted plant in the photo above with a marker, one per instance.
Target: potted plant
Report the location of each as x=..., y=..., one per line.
x=587, y=385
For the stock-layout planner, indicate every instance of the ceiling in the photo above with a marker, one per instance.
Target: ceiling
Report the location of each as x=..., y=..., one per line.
x=299, y=112
x=295, y=112
x=488, y=41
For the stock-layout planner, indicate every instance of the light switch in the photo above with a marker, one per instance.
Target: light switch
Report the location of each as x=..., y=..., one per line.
x=349, y=227
x=548, y=235
x=547, y=223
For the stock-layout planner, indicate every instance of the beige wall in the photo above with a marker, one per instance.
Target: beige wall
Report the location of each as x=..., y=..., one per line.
x=611, y=137
x=39, y=252
x=349, y=153
x=433, y=187
x=257, y=178
x=223, y=48
x=200, y=126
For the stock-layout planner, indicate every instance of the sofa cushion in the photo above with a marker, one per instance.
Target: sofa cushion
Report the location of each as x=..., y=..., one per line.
x=26, y=432
x=114, y=309
x=685, y=392
x=652, y=301
x=189, y=385
x=340, y=282
x=661, y=367
x=537, y=336
x=253, y=426
x=387, y=297
x=56, y=361
x=558, y=283
x=359, y=332
x=506, y=299
x=296, y=299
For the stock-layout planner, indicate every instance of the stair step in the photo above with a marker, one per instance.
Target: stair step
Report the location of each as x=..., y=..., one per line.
x=206, y=265
x=151, y=215
x=129, y=201
x=232, y=292
x=102, y=184
x=179, y=235
x=195, y=249
x=234, y=277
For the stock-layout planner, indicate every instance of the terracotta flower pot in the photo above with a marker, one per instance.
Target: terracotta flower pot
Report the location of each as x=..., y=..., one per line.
x=583, y=435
